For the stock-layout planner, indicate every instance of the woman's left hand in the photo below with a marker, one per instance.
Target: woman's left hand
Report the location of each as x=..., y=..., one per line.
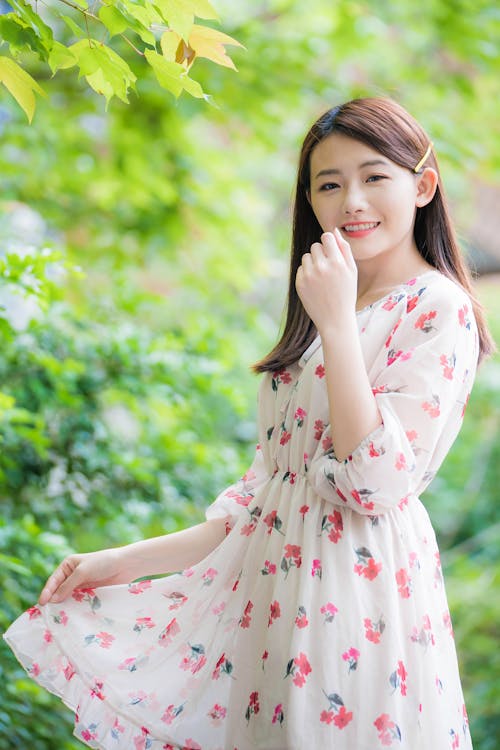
x=326, y=281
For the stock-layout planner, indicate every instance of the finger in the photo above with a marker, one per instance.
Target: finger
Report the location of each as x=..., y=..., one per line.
x=317, y=253
x=306, y=262
x=344, y=248
x=65, y=570
x=330, y=245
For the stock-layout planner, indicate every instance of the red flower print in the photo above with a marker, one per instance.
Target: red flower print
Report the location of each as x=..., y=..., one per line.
x=337, y=712
x=285, y=437
x=143, y=622
x=195, y=658
x=463, y=317
x=274, y=612
x=432, y=407
x=278, y=716
x=366, y=565
x=404, y=583
x=246, y=618
x=448, y=365
x=139, y=587
x=387, y=730
x=191, y=745
x=389, y=339
x=292, y=558
x=269, y=569
x=301, y=620
x=333, y=523
x=223, y=666
x=424, y=323
x=303, y=664
x=280, y=376
x=423, y=635
x=249, y=528
x=216, y=714
x=319, y=427
x=398, y=678
x=299, y=668
x=351, y=656
x=33, y=613
x=264, y=658
x=411, y=303
x=412, y=435
x=253, y=706
x=390, y=303
x=374, y=630
x=360, y=495
x=327, y=444
x=300, y=415
x=447, y=623
x=273, y=521
x=320, y=371
x=35, y=670
x=303, y=510
x=69, y=671
x=375, y=452
x=166, y=636
x=343, y=718
x=209, y=576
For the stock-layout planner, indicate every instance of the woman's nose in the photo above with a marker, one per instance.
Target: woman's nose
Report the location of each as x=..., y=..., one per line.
x=353, y=199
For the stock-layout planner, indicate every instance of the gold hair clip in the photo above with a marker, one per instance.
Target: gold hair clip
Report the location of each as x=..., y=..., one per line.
x=424, y=157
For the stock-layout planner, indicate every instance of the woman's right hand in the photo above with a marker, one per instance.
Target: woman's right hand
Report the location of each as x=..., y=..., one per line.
x=88, y=570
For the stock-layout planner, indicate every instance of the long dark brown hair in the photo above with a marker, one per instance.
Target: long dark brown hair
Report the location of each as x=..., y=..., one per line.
x=387, y=127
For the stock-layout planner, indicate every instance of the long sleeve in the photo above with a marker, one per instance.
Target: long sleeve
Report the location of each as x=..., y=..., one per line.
x=233, y=501
x=421, y=381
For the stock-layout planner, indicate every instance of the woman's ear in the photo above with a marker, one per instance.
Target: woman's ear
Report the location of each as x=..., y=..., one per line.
x=426, y=186
x=308, y=196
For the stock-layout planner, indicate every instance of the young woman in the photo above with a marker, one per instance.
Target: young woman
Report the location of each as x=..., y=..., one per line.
x=310, y=610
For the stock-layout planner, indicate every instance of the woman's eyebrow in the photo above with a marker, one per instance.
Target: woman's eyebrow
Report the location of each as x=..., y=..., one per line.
x=370, y=163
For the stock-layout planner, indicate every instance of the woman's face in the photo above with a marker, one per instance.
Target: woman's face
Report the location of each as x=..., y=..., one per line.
x=369, y=198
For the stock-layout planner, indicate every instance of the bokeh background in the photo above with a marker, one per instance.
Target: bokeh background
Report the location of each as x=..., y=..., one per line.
x=143, y=268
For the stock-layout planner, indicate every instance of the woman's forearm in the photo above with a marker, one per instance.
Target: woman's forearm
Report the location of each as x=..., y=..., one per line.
x=173, y=552
x=352, y=405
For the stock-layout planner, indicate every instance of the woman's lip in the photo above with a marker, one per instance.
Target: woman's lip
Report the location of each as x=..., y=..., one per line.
x=360, y=232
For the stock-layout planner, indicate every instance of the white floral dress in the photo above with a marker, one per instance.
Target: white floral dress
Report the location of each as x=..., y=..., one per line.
x=321, y=621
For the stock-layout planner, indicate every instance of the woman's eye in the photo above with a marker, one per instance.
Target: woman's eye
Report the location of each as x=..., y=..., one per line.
x=375, y=178
x=329, y=186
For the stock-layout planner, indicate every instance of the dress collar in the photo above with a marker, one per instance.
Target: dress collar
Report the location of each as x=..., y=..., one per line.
x=310, y=351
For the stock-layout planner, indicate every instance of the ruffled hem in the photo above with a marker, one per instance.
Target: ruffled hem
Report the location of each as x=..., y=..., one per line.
x=97, y=723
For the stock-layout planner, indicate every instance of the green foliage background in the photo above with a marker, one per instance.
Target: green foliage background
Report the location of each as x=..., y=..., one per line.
x=126, y=403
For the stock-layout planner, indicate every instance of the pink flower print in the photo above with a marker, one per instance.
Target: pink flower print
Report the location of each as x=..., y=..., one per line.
x=264, y=658
x=439, y=685
x=320, y=371
x=447, y=623
x=171, y=712
x=432, y=407
x=299, y=416
x=299, y=668
x=280, y=376
x=366, y=565
x=303, y=510
x=455, y=739
x=290, y=476
x=412, y=435
x=306, y=459
x=87, y=595
x=89, y=733
x=337, y=712
x=448, y=365
x=463, y=317
x=397, y=678
x=209, y=576
x=387, y=729
x=191, y=745
x=273, y=521
x=395, y=354
x=139, y=587
x=285, y=437
x=142, y=623
x=34, y=612
x=374, y=630
x=188, y=572
x=253, y=706
x=316, y=570
x=465, y=718
x=424, y=321
x=319, y=427
x=117, y=729
x=61, y=618
x=249, y=528
x=327, y=444
x=131, y=663
x=329, y=610
x=34, y=670
x=375, y=452
x=423, y=635
x=278, y=716
x=274, y=612
x=223, y=666
x=69, y=671
x=292, y=558
x=142, y=742
x=195, y=658
x=351, y=656
x=413, y=560
x=219, y=608
x=269, y=569
x=102, y=639
x=96, y=691
x=301, y=620
x=390, y=303
x=166, y=636
x=401, y=462
x=359, y=497
x=390, y=337
x=246, y=618
x=216, y=714
x=404, y=583
x=334, y=524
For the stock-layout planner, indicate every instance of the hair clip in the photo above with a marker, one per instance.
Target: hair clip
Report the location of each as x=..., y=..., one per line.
x=424, y=157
